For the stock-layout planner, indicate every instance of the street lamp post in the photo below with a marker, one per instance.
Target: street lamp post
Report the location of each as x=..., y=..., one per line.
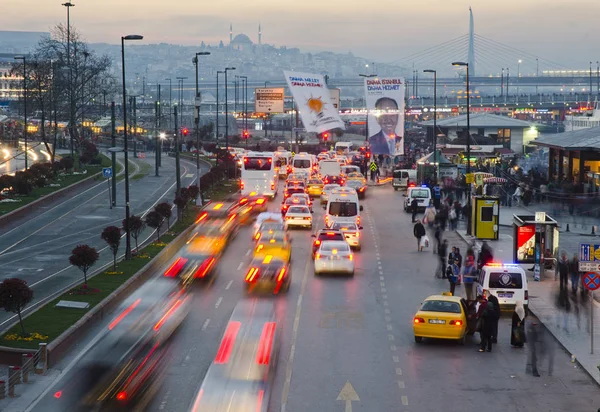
x=217, y=117
x=170, y=99
x=127, y=232
x=197, y=124
x=24, y=103
x=468, y=144
x=68, y=5
x=226, y=115
x=180, y=79
x=245, y=79
x=435, y=159
x=518, y=76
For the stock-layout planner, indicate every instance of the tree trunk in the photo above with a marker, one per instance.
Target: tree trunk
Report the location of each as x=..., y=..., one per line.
x=158, y=233
x=85, y=278
x=21, y=323
x=115, y=261
x=136, y=243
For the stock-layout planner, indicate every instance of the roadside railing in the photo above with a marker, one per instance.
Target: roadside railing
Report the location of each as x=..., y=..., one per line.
x=30, y=362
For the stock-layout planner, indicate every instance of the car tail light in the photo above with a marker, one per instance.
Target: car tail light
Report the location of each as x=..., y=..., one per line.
x=122, y=396
x=351, y=256
x=251, y=275
x=259, y=400
x=260, y=201
x=526, y=295
x=243, y=201
x=166, y=316
x=202, y=217
x=265, y=345
x=358, y=220
x=58, y=394
x=176, y=267
x=204, y=268
x=242, y=185
x=257, y=236
x=123, y=314
x=281, y=275
x=272, y=186
x=227, y=343
x=317, y=242
x=456, y=322
x=318, y=256
x=419, y=320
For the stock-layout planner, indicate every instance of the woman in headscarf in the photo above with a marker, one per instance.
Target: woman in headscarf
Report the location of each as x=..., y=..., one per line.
x=517, y=334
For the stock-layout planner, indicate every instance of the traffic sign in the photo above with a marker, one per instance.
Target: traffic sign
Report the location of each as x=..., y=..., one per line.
x=591, y=281
x=299, y=129
x=469, y=178
x=107, y=172
x=589, y=252
x=589, y=266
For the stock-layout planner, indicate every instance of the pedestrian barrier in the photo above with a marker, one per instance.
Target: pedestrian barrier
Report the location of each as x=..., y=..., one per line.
x=20, y=374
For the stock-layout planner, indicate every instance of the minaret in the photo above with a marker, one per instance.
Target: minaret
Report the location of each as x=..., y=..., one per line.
x=259, y=35
x=230, y=33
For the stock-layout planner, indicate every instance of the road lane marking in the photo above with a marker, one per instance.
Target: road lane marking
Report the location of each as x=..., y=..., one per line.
x=381, y=277
x=401, y=385
x=383, y=290
x=399, y=371
x=219, y=302
x=382, y=284
x=205, y=325
x=248, y=252
x=393, y=347
x=396, y=359
x=388, y=326
x=405, y=400
x=288, y=375
x=240, y=266
x=229, y=284
x=391, y=337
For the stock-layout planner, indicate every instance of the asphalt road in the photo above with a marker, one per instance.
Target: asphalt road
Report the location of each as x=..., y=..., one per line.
x=359, y=330
x=37, y=248
x=8, y=164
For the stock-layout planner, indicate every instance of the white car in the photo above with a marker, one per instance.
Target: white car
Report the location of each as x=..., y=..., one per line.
x=351, y=232
x=304, y=196
x=298, y=216
x=270, y=221
x=334, y=257
x=327, y=191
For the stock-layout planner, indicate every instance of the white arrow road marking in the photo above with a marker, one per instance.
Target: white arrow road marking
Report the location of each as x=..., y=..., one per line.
x=349, y=395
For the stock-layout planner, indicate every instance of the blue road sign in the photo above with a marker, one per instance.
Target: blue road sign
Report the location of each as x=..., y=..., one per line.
x=589, y=252
x=107, y=172
x=591, y=281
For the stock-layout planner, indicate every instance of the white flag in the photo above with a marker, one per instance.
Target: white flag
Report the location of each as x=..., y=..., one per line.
x=313, y=101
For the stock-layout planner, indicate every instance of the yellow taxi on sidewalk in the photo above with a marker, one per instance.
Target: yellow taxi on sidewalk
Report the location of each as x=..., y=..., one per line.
x=441, y=317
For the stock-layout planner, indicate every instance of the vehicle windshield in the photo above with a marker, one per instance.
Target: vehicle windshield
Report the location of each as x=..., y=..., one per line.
x=329, y=188
x=354, y=183
x=298, y=209
x=505, y=280
x=302, y=163
x=258, y=163
x=331, y=236
x=315, y=182
x=344, y=226
x=419, y=193
x=339, y=246
x=343, y=209
x=440, y=306
x=296, y=200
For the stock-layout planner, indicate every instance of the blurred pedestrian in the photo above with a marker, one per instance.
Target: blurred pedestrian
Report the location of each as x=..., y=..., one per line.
x=485, y=323
x=429, y=216
x=574, y=271
x=419, y=232
x=539, y=347
x=437, y=235
x=563, y=270
x=414, y=206
x=442, y=253
x=458, y=257
x=517, y=332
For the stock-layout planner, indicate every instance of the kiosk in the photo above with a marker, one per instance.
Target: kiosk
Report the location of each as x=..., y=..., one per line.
x=535, y=238
x=485, y=217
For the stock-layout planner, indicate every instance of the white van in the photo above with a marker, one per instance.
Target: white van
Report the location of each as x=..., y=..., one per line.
x=329, y=168
x=303, y=163
x=401, y=178
x=342, y=207
x=421, y=193
x=507, y=282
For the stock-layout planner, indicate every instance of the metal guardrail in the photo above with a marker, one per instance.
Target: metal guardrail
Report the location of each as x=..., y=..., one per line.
x=30, y=362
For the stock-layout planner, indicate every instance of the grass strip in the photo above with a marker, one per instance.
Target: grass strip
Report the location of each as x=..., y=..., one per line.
x=49, y=322
x=145, y=168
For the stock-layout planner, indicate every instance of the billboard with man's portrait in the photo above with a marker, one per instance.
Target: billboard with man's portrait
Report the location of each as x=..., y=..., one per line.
x=385, y=105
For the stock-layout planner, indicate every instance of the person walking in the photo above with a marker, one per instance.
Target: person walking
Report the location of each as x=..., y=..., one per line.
x=442, y=253
x=484, y=325
x=453, y=274
x=517, y=331
x=430, y=213
x=574, y=271
x=437, y=235
x=414, y=207
x=419, y=232
x=563, y=270
x=469, y=275
x=494, y=309
x=458, y=258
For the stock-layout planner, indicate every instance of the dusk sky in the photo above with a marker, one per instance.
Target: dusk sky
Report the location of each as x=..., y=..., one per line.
x=384, y=31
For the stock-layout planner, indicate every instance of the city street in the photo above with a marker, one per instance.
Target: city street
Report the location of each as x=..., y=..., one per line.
x=37, y=248
x=8, y=164
x=359, y=331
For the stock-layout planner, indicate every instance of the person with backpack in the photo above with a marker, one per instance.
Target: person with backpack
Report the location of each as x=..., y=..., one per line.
x=419, y=232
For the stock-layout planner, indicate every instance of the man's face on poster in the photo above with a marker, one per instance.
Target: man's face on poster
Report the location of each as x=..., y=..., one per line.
x=388, y=116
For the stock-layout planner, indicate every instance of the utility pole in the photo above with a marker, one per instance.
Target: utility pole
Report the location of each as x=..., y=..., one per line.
x=135, y=141
x=113, y=155
x=159, y=144
x=177, y=164
x=156, y=136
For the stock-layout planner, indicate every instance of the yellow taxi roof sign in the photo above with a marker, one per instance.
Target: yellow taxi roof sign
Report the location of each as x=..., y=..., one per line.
x=218, y=206
x=267, y=259
x=272, y=241
x=447, y=294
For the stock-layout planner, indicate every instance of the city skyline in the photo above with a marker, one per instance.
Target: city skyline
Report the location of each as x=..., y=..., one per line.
x=337, y=26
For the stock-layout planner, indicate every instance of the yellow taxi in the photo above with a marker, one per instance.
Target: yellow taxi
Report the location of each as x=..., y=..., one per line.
x=356, y=176
x=269, y=272
x=210, y=237
x=276, y=244
x=441, y=317
x=315, y=187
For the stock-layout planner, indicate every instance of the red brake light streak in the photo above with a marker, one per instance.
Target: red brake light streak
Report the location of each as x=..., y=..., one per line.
x=265, y=345
x=176, y=267
x=227, y=343
x=123, y=314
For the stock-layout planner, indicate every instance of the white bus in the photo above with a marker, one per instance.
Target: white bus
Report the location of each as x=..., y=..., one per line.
x=344, y=147
x=259, y=174
x=283, y=163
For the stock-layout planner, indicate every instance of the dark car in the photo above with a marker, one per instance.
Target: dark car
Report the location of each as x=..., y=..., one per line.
x=294, y=189
x=358, y=160
x=325, y=235
x=333, y=180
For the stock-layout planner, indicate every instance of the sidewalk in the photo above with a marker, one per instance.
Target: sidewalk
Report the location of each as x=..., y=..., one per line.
x=571, y=329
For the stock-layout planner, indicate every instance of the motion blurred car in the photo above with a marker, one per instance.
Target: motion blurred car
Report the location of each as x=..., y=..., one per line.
x=334, y=257
x=315, y=187
x=349, y=169
x=215, y=234
x=124, y=368
x=290, y=190
x=293, y=201
x=198, y=259
x=325, y=235
x=241, y=376
x=298, y=216
x=327, y=191
x=351, y=233
x=276, y=244
x=359, y=186
x=296, y=177
x=330, y=180
x=266, y=221
x=443, y=317
x=256, y=201
x=269, y=272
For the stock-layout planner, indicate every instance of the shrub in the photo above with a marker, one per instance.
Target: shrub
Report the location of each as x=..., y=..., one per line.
x=15, y=294
x=66, y=163
x=164, y=209
x=112, y=236
x=155, y=221
x=84, y=257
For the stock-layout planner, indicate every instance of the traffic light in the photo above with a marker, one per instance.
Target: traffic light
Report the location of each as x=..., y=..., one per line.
x=325, y=136
x=245, y=134
x=368, y=155
x=185, y=131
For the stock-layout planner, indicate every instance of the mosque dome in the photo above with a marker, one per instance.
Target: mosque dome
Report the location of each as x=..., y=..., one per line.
x=241, y=39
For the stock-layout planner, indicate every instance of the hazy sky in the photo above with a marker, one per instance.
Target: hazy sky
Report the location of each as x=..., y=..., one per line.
x=384, y=30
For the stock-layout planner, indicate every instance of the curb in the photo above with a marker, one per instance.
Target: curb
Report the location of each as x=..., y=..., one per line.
x=42, y=201
x=61, y=345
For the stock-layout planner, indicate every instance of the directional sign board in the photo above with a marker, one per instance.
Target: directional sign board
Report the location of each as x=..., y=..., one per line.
x=589, y=266
x=107, y=172
x=591, y=281
x=589, y=257
x=268, y=100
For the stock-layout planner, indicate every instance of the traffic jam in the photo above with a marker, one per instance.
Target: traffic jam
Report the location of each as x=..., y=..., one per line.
x=126, y=363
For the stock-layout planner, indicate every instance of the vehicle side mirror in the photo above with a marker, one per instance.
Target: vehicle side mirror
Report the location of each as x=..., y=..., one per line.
x=404, y=194
x=360, y=228
x=324, y=207
x=361, y=208
x=313, y=235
